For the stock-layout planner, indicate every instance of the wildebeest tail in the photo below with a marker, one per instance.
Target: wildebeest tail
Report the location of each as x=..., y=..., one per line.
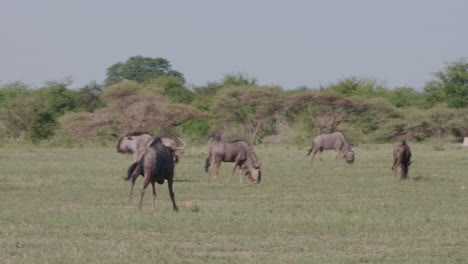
x=130, y=170
x=310, y=150
x=208, y=163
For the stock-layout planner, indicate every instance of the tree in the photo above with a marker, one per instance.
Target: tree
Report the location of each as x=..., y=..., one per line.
x=460, y=123
x=33, y=114
x=247, y=106
x=326, y=111
x=172, y=87
x=88, y=98
x=405, y=96
x=56, y=97
x=130, y=106
x=203, y=95
x=354, y=86
x=140, y=69
x=450, y=85
x=440, y=120
x=12, y=90
x=239, y=79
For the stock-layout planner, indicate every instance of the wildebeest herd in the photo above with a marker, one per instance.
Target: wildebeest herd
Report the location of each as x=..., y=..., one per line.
x=154, y=158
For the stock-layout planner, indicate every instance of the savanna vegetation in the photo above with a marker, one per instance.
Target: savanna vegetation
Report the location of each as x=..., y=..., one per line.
x=62, y=196
x=147, y=94
x=68, y=205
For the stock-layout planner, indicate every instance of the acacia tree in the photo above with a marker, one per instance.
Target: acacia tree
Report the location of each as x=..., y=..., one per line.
x=440, y=120
x=247, y=106
x=140, y=69
x=354, y=86
x=145, y=109
x=326, y=111
x=129, y=107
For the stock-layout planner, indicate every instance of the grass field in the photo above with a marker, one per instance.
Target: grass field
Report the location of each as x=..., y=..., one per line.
x=62, y=205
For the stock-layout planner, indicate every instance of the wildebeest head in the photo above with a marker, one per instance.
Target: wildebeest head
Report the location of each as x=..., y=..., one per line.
x=130, y=142
x=349, y=157
x=255, y=175
x=126, y=144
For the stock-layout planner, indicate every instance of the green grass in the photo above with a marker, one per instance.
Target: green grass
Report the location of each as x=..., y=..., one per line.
x=62, y=205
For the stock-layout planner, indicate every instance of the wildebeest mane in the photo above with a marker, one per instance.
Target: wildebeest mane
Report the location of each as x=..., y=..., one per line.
x=240, y=140
x=137, y=133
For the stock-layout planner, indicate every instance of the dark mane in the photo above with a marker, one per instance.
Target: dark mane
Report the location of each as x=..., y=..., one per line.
x=156, y=141
x=136, y=133
x=240, y=140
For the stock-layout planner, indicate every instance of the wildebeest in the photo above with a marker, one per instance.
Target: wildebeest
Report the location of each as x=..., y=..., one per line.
x=402, y=158
x=334, y=141
x=135, y=142
x=157, y=165
x=237, y=151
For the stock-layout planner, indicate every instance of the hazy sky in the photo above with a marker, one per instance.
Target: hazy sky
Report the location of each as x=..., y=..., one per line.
x=287, y=43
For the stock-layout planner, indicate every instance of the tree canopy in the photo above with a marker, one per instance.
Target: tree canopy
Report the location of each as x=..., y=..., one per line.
x=145, y=93
x=140, y=69
x=450, y=85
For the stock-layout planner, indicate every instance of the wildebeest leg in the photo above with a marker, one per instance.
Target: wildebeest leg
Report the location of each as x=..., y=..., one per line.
x=171, y=193
x=321, y=154
x=145, y=184
x=216, y=171
x=337, y=154
x=241, y=172
x=395, y=168
x=154, y=195
x=313, y=154
x=131, y=189
x=404, y=170
x=210, y=170
x=233, y=170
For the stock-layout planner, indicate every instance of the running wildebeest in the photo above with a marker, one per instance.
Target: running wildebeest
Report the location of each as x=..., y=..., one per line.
x=402, y=158
x=334, y=141
x=237, y=151
x=157, y=165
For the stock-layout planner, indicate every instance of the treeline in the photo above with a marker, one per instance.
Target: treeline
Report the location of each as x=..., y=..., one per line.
x=146, y=94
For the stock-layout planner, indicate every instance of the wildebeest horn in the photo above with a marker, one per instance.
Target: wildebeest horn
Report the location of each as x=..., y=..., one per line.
x=183, y=142
x=114, y=135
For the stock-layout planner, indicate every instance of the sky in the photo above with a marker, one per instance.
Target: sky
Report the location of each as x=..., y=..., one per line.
x=290, y=43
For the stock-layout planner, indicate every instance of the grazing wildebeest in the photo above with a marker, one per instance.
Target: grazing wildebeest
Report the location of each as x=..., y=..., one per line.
x=237, y=151
x=135, y=142
x=402, y=158
x=334, y=141
x=157, y=165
